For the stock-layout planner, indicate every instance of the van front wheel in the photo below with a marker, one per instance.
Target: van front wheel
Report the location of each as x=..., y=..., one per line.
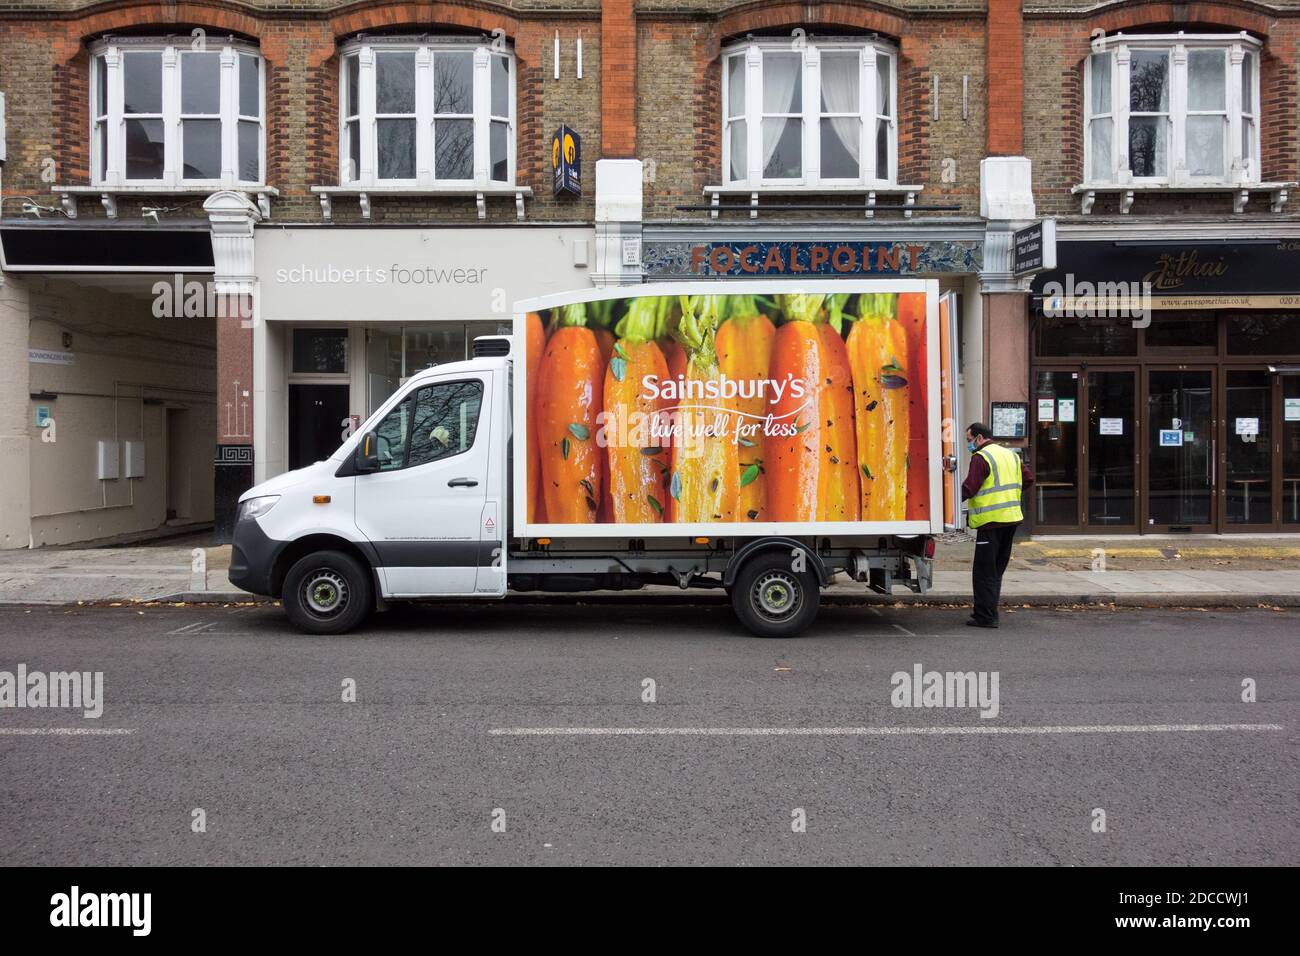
x=328, y=592
x=772, y=599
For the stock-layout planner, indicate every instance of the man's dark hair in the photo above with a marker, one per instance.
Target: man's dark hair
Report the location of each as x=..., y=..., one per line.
x=980, y=430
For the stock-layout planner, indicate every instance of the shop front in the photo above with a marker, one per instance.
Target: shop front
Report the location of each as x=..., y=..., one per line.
x=348, y=314
x=1165, y=387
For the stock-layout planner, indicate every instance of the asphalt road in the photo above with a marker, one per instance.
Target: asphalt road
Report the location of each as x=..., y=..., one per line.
x=231, y=712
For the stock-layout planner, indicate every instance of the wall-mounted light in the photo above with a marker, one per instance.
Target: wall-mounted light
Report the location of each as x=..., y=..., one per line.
x=43, y=396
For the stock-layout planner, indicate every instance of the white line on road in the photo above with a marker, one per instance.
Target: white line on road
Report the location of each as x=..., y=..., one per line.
x=65, y=731
x=193, y=628
x=904, y=630
x=869, y=731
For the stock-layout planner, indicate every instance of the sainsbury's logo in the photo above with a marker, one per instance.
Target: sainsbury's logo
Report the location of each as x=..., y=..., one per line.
x=722, y=388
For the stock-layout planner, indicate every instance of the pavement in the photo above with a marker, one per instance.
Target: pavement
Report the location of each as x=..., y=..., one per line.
x=1151, y=570
x=653, y=735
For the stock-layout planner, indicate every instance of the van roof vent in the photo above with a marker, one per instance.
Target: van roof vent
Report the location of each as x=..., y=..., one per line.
x=491, y=346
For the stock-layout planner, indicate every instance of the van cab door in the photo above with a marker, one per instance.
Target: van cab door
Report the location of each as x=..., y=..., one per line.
x=427, y=510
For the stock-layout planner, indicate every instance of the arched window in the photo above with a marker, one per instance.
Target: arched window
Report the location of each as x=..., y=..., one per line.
x=176, y=112
x=810, y=112
x=1179, y=109
x=427, y=112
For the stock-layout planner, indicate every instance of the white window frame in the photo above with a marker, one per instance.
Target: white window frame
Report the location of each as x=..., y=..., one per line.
x=1238, y=170
x=811, y=50
x=110, y=171
x=426, y=51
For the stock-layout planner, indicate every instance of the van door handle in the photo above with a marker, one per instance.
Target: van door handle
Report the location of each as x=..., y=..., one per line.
x=463, y=483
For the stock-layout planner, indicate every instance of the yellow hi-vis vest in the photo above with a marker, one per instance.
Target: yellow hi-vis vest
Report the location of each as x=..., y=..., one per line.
x=998, y=498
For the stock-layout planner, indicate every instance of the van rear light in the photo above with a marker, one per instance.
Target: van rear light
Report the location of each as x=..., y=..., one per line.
x=929, y=547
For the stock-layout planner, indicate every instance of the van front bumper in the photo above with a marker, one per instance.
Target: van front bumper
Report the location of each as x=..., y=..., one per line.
x=252, y=558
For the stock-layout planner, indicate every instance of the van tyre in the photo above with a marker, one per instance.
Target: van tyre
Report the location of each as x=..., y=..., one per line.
x=772, y=599
x=327, y=592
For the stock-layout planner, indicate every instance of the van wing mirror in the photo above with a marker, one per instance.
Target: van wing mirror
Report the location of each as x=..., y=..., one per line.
x=367, y=454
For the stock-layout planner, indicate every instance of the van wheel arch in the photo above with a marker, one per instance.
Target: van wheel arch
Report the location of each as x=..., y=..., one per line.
x=300, y=548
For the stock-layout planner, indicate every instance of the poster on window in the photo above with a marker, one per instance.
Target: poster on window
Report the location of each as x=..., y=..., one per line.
x=761, y=408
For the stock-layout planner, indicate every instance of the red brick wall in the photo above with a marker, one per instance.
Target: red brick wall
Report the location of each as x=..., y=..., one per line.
x=44, y=70
x=618, y=36
x=1056, y=46
x=1006, y=90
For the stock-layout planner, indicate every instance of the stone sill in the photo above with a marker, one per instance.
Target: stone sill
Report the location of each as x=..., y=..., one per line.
x=1278, y=193
x=715, y=194
x=108, y=194
x=363, y=194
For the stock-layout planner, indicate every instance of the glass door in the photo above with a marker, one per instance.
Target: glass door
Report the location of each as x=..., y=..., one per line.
x=1247, y=442
x=1180, y=444
x=1055, y=408
x=1290, y=452
x=1112, y=450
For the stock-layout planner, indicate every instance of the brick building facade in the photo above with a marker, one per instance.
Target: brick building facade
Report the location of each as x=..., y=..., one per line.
x=1156, y=134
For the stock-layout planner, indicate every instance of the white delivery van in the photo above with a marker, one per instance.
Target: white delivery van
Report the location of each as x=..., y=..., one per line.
x=734, y=435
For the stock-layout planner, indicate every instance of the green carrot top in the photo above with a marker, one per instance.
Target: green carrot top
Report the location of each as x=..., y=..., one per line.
x=877, y=305
x=801, y=307
x=738, y=307
x=643, y=320
x=696, y=329
x=572, y=315
x=835, y=309
x=600, y=312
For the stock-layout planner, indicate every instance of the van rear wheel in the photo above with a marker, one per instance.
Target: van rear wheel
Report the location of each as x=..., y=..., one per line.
x=772, y=599
x=328, y=592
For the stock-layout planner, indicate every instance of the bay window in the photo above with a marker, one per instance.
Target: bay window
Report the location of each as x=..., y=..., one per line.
x=809, y=113
x=1172, y=110
x=424, y=114
x=174, y=115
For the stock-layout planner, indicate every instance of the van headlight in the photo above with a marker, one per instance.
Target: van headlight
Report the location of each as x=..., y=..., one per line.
x=256, y=507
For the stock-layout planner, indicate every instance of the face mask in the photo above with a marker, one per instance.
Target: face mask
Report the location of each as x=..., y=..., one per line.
x=971, y=446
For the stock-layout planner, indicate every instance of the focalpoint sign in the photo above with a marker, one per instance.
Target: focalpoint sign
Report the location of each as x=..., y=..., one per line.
x=766, y=258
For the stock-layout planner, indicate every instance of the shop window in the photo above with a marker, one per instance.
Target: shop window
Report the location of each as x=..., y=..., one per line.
x=1180, y=110
x=171, y=115
x=1085, y=337
x=1264, y=333
x=1183, y=330
x=816, y=113
x=320, y=351
x=395, y=353
x=422, y=114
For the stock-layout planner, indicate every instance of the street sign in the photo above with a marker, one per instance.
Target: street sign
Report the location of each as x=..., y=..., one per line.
x=1035, y=248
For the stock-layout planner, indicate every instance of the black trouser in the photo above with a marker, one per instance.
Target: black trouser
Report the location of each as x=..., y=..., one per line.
x=992, y=552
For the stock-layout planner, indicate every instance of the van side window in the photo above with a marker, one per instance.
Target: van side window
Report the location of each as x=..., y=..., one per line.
x=446, y=420
x=392, y=433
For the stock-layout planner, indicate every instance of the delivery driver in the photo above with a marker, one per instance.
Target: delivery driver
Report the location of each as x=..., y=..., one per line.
x=993, y=488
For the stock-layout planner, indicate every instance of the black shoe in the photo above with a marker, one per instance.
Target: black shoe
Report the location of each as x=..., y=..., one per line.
x=974, y=622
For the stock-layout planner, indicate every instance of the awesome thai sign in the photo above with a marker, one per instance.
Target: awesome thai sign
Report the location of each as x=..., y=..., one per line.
x=796, y=258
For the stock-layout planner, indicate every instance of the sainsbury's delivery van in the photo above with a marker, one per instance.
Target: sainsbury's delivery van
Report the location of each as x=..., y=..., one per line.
x=737, y=435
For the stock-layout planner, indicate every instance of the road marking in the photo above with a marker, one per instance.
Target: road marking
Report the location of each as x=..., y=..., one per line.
x=193, y=628
x=870, y=731
x=65, y=731
x=904, y=630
